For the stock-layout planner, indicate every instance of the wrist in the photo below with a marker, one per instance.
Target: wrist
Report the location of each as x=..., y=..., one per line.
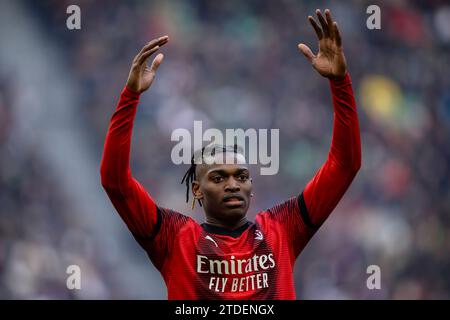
x=339, y=81
x=130, y=92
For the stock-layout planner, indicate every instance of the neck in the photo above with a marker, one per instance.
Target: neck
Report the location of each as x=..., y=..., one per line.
x=230, y=225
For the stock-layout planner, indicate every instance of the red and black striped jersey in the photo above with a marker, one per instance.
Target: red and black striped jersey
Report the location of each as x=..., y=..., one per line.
x=207, y=262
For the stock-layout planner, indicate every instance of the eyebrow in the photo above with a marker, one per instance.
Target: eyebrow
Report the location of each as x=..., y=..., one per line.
x=226, y=172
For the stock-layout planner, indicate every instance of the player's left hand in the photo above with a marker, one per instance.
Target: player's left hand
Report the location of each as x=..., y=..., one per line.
x=330, y=60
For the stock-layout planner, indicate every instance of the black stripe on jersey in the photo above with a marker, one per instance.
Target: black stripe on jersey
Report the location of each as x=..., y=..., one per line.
x=224, y=231
x=157, y=225
x=304, y=212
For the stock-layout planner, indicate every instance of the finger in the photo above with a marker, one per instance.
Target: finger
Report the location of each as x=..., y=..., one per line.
x=329, y=22
x=337, y=35
x=158, y=41
x=316, y=27
x=323, y=23
x=157, y=62
x=144, y=57
x=306, y=51
x=155, y=42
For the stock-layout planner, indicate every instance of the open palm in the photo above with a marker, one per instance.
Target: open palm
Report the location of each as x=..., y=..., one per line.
x=330, y=60
x=141, y=75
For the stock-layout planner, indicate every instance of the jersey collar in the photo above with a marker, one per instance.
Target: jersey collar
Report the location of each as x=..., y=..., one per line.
x=224, y=231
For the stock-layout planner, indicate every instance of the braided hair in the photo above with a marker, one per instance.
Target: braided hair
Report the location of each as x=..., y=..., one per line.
x=198, y=158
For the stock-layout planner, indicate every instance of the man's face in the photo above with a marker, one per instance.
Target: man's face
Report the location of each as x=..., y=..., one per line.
x=224, y=189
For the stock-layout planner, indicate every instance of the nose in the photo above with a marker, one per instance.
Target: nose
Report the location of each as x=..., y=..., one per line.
x=232, y=185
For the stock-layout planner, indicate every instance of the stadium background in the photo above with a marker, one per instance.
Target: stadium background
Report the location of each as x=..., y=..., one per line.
x=232, y=64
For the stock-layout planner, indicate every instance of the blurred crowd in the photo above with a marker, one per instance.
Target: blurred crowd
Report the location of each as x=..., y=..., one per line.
x=40, y=232
x=235, y=64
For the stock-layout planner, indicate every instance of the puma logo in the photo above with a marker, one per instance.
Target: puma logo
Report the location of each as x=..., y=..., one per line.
x=211, y=239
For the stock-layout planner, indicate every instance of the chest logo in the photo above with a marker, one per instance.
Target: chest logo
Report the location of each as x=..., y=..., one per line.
x=258, y=235
x=211, y=239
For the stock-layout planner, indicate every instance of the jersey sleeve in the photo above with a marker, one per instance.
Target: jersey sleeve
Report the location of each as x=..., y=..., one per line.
x=159, y=247
x=134, y=204
x=323, y=192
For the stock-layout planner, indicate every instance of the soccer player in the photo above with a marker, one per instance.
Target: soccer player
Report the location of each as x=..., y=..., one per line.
x=229, y=257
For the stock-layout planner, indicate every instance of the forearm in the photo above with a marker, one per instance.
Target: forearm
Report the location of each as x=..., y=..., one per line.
x=115, y=165
x=345, y=148
x=327, y=187
x=129, y=197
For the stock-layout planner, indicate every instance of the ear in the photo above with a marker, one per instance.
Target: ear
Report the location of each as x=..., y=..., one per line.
x=196, y=190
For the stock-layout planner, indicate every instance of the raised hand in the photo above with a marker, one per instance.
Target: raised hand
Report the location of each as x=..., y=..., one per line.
x=330, y=60
x=141, y=76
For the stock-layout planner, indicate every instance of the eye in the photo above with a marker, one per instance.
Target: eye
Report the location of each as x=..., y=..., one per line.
x=217, y=179
x=243, y=177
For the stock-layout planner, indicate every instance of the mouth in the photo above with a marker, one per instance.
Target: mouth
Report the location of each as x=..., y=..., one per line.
x=233, y=200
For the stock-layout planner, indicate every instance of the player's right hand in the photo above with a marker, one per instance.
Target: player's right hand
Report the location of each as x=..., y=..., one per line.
x=141, y=76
